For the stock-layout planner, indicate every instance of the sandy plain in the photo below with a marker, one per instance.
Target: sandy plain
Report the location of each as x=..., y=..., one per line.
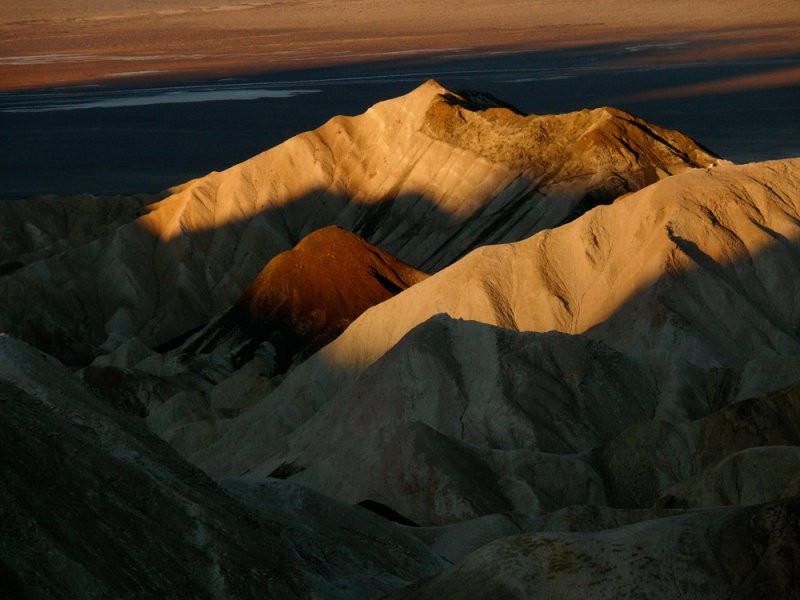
x=47, y=43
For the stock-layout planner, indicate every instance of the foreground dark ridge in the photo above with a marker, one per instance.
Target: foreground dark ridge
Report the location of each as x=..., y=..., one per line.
x=95, y=506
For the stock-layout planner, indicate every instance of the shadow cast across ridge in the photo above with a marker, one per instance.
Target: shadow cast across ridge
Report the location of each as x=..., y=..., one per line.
x=428, y=201
x=132, y=283
x=725, y=296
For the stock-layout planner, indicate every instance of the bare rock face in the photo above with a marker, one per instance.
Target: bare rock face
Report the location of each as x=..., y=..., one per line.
x=44, y=226
x=95, y=506
x=355, y=552
x=750, y=476
x=710, y=461
x=428, y=177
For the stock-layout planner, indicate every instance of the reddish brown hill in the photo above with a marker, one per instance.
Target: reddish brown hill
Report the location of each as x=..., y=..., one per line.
x=305, y=297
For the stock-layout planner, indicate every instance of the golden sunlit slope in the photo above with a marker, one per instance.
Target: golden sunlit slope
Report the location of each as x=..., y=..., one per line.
x=427, y=176
x=695, y=272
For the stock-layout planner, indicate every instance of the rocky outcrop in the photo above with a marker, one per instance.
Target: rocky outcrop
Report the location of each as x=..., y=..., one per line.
x=710, y=461
x=45, y=226
x=495, y=417
x=427, y=177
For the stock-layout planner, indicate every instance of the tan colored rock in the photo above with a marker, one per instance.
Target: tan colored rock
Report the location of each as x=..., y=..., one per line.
x=458, y=420
x=427, y=177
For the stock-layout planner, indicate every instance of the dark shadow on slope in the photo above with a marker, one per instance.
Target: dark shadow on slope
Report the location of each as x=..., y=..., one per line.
x=11, y=586
x=410, y=226
x=737, y=310
x=641, y=478
x=93, y=492
x=40, y=227
x=387, y=513
x=475, y=100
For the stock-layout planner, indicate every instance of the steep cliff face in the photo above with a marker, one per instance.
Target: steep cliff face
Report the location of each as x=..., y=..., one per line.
x=428, y=177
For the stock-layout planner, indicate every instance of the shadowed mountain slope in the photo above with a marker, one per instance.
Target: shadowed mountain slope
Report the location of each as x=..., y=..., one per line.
x=95, y=506
x=494, y=417
x=743, y=453
x=428, y=177
x=674, y=278
x=732, y=553
x=44, y=226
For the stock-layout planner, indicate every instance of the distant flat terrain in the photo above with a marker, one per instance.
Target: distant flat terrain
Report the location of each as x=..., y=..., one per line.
x=130, y=97
x=56, y=42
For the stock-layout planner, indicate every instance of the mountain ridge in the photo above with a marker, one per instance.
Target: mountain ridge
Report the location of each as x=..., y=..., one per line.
x=596, y=386
x=508, y=286
x=424, y=200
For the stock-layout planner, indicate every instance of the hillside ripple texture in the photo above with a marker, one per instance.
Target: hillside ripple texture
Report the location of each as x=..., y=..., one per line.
x=439, y=349
x=428, y=177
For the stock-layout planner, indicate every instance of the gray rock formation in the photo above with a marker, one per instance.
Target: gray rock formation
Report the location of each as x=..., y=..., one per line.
x=725, y=553
x=494, y=416
x=651, y=460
